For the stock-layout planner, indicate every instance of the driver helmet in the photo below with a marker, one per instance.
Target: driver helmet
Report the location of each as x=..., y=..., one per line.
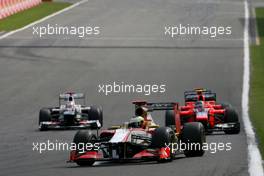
x=136, y=122
x=70, y=103
x=141, y=111
x=199, y=105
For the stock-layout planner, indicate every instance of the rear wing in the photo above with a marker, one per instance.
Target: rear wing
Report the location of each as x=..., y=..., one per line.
x=194, y=97
x=195, y=91
x=162, y=106
x=74, y=95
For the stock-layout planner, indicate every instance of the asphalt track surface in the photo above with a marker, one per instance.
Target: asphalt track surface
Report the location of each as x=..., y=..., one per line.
x=131, y=48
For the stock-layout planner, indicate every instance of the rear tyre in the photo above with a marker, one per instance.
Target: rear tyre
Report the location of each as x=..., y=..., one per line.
x=226, y=105
x=44, y=116
x=163, y=137
x=169, y=118
x=83, y=137
x=231, y=116
x=193, y=135
x=96, y=113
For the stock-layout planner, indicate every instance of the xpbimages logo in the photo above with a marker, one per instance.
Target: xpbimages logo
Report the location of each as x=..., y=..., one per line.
x=78, y=31
x=56, y=145
x=121, y=87
x=189, y=30
x=212, y=147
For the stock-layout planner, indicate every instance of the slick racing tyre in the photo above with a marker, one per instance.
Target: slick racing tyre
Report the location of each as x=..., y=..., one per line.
x=231, y=116
x=96, y=113
x=193, y=136
x=163, y=137
x=169, y=118
x=83, y=163
x=81, y=138
x=44, y=116
x=226, y=105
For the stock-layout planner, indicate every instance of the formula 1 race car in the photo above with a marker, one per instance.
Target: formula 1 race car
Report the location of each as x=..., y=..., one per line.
x=140, y=140
x=201, y=106
x=70, y=115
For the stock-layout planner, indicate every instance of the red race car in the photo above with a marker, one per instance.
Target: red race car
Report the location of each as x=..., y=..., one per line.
x=139, y=139
x=201, y=106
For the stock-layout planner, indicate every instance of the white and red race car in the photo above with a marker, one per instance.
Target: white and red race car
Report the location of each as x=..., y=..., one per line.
x=71, y=115
x=134, y=141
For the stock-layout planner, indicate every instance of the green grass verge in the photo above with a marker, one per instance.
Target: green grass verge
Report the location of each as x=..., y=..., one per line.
x=28, y=16
x=257, y=82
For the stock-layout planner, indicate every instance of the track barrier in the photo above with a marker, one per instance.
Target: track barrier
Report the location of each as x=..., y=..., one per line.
x=10, y=7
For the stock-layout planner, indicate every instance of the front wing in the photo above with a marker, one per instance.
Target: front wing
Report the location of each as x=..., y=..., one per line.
x=225, y=126
x=144, y=155
x=57, y=125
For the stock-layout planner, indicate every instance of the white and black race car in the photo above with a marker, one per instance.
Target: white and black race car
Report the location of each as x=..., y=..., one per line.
x=70, y=114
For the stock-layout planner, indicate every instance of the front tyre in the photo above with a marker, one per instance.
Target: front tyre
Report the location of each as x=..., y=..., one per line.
x=44, y=116
x=84, y=163
x=163, y=137
x=193, y=136
x=81, y=138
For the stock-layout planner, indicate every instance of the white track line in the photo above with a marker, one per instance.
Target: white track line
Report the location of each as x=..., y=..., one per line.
x=43, y=19
x=255, y=167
